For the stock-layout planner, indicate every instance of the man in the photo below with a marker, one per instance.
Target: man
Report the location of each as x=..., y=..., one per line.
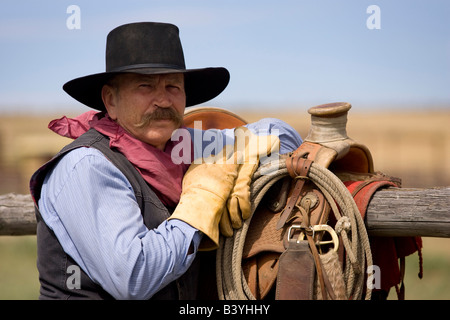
x=117, y=217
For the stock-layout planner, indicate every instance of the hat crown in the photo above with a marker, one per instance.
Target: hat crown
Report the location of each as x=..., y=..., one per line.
x=144, y=45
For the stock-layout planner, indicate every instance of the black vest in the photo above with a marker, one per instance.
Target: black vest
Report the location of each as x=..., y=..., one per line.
x=56, y=268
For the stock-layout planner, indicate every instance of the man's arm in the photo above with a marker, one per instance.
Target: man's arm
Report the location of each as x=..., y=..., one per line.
x=91, y=207
x=290, y=140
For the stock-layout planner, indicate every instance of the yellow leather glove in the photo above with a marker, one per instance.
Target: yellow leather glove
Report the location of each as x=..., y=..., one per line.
x=205, y=190
x=249, y=148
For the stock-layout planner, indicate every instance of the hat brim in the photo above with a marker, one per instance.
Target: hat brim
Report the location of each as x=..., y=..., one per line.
x=201, y=85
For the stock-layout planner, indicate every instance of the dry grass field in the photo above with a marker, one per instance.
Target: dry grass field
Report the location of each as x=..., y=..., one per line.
x=414, y=146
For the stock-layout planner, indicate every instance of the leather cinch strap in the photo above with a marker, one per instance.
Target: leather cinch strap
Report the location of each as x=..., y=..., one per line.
x=299, y=172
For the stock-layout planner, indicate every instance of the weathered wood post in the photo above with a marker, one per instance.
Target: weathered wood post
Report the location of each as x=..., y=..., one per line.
x=17, y=215
x=392, y=212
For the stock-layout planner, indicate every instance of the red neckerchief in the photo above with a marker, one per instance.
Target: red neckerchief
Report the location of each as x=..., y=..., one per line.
x=155, y=166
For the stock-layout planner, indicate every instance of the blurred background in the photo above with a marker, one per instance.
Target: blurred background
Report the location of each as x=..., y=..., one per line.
x=391, y=62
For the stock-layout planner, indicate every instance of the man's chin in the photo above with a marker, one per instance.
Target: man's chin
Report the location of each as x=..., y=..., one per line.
x=158, y=137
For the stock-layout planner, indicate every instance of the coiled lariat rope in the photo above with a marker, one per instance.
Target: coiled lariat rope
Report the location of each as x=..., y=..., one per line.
x=231, y=283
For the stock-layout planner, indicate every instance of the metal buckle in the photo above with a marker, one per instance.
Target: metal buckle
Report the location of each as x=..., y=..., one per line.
x=294, y=226
x=316, y=228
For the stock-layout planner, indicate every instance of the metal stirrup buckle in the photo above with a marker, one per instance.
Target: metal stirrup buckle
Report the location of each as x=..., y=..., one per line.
x=316, y=228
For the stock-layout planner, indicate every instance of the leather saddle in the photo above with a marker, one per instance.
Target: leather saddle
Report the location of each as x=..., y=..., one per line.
x=291, y=233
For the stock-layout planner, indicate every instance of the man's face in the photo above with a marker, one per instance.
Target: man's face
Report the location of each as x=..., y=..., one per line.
x=149, y=107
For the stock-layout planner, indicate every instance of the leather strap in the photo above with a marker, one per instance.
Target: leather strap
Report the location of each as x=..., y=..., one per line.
x=299, y=171
x=400, y=288
x=322, y=277
x=318, y=265
x=296, y=273
x=307, y=150
x=324, y=281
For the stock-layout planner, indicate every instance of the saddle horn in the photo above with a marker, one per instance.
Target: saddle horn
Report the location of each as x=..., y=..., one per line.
x=329, y=129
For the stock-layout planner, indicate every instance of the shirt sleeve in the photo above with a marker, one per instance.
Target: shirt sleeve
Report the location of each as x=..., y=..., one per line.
x=91, y=207
x=290, y=140
x=204, y=141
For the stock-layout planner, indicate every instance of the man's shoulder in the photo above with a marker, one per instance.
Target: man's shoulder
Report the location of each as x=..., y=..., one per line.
x=76, y=155
x=80, y=159
x=82, y=164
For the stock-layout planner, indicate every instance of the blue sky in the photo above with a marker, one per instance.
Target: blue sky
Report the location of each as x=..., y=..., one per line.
x=279, y=53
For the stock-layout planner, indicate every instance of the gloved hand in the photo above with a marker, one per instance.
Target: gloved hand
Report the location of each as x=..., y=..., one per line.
x=249, y=149
x=205, y=190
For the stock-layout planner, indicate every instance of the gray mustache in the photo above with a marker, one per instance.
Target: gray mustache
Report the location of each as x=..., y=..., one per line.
x=161, y=114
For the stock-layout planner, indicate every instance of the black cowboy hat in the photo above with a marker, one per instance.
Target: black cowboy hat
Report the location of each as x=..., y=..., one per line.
x=148, y=48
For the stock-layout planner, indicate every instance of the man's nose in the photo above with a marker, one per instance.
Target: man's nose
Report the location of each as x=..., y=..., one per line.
x=162, y=97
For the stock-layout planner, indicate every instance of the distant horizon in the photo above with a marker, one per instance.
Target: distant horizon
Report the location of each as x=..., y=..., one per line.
x=74, y=110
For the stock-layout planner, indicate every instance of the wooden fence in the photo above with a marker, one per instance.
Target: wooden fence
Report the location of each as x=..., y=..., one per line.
x=391, y=212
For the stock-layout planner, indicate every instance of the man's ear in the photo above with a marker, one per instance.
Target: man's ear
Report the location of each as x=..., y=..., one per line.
x=109, y=97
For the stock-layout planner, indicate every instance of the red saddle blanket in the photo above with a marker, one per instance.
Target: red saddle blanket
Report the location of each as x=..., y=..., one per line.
x=386, y=251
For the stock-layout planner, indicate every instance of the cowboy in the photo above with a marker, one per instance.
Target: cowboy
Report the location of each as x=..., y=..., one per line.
x=117, y=218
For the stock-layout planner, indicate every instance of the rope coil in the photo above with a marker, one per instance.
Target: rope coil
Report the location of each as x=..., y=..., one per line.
x=231, y=283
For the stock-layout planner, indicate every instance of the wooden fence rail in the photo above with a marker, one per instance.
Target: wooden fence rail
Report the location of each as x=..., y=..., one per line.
x=392, y=212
